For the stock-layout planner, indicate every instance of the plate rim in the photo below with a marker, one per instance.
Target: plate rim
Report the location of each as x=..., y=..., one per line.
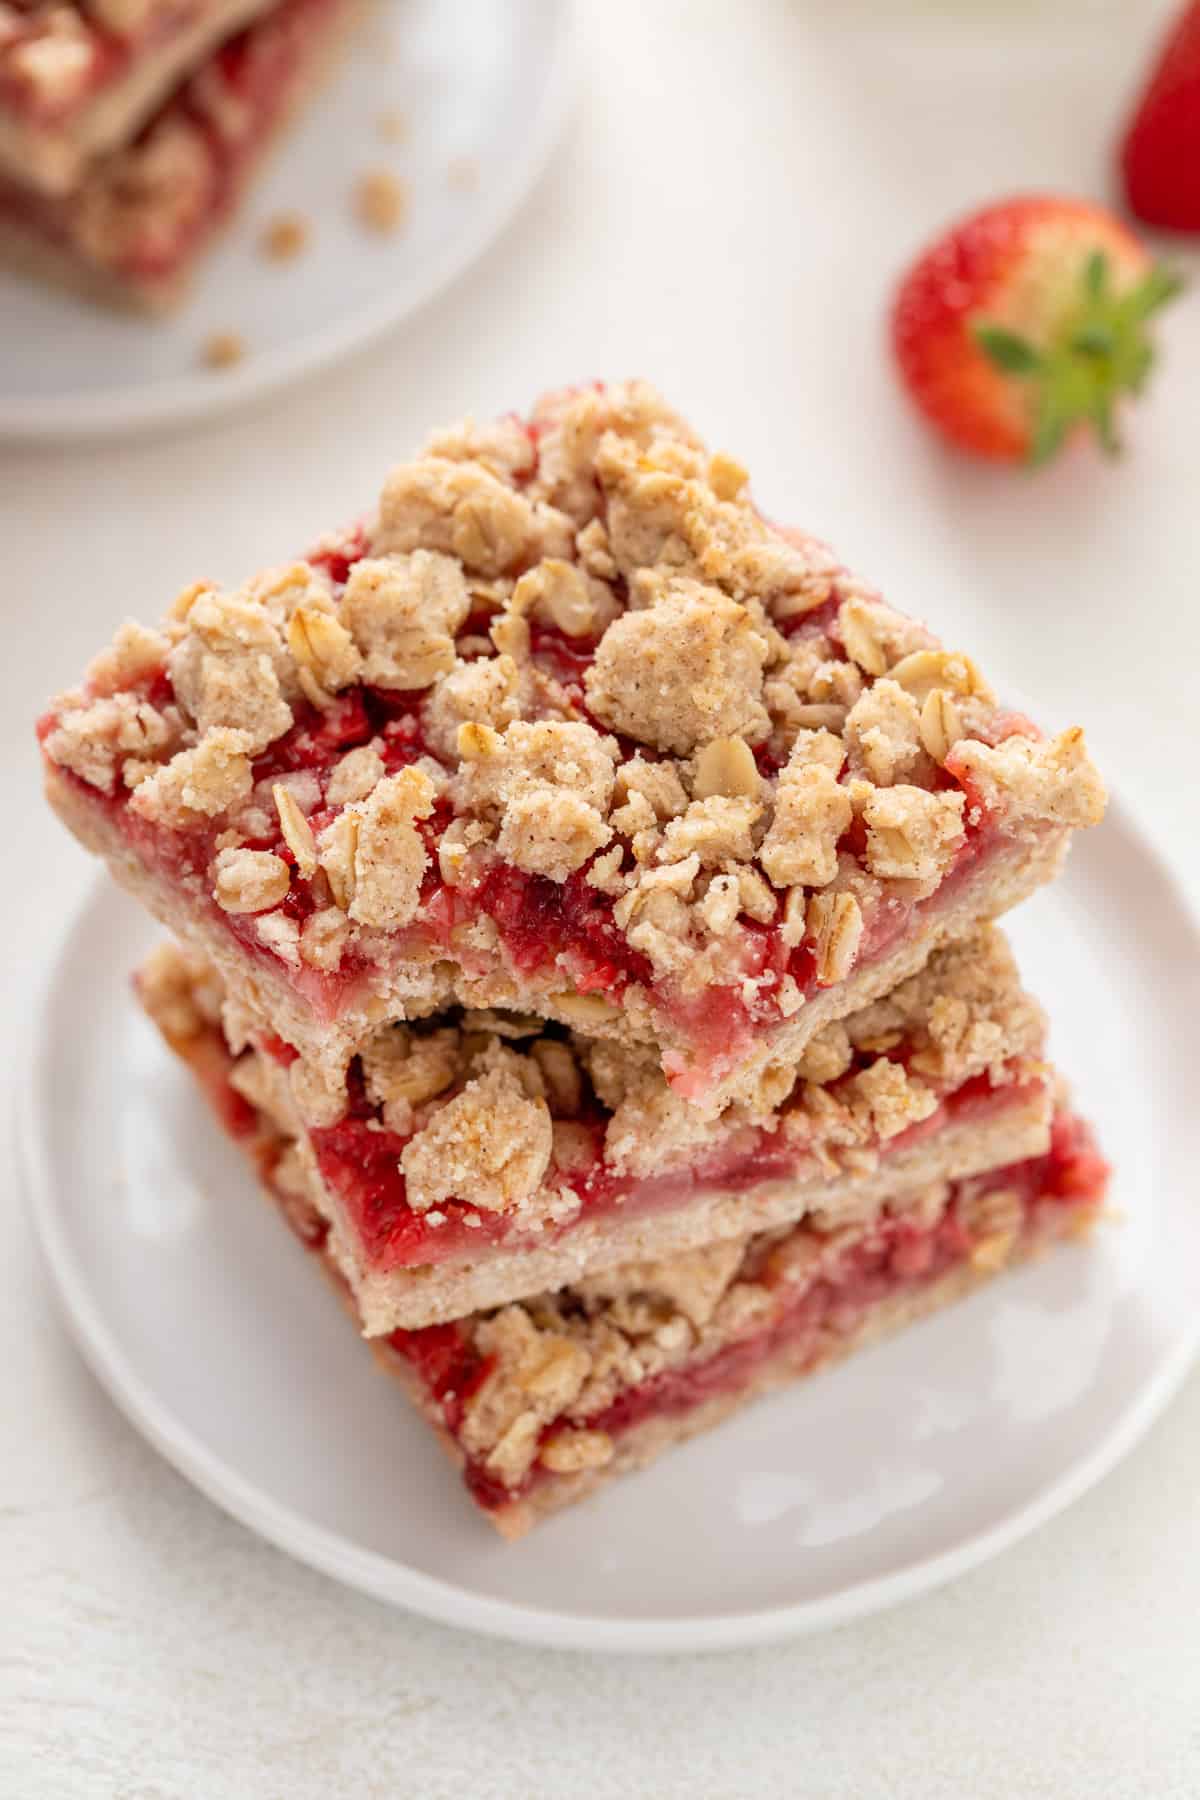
x=400, y=1584
x=186, y=400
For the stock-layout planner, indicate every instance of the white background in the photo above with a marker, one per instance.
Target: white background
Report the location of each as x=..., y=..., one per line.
x=726, y=215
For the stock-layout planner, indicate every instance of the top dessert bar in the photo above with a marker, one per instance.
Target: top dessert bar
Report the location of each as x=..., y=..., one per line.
x=566, y=727
x=77, y=80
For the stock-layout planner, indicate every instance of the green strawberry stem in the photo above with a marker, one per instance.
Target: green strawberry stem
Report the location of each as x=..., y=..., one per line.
x=1102, y=351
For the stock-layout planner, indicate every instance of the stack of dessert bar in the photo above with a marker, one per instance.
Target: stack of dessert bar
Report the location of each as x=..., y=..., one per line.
x=129, y=129
x=583, y=893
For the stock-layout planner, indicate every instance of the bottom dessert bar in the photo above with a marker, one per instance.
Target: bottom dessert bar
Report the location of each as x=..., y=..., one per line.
x=542, y=1402
x=142, y=217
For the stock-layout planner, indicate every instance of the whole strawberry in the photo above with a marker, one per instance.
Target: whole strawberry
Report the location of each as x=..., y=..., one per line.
x=1160, y=157
x=1026, y=323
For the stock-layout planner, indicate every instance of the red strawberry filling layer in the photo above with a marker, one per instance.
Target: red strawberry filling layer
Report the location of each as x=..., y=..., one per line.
x=359, y=1163
x=892, y=1257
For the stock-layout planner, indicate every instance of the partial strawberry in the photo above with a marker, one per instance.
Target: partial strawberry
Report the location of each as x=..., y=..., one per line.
x=1024, y=324
x=1160, y=155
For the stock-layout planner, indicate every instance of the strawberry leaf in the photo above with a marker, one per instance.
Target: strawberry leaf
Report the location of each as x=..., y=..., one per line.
x=1013, y=354
x=1099, y=351
x=1095, y=275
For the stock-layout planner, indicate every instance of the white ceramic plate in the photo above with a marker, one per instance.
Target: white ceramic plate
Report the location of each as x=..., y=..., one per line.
x=482, y=86
x=880, y=1479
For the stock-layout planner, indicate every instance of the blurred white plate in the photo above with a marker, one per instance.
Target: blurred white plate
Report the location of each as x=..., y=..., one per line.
x=482, y=87
x=906, y=1466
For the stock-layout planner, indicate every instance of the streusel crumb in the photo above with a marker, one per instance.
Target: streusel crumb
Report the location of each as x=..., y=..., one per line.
x=285, y=237
x=381, y=201
x=223, y=350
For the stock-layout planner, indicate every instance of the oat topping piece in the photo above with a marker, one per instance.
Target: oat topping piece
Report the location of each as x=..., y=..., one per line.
x=568, y=726
x=491, y=1145
x=681, y=671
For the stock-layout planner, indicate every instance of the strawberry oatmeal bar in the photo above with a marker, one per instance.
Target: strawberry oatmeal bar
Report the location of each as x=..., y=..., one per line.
x=565, y=728
x=138, y=219
x=541, y=1402
x=80, y=79
x=489, y=1156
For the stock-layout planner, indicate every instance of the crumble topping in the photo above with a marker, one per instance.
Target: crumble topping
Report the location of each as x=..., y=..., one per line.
x=297, y=832
x=536, y=1376
x=402, y=613
x=567, y=1452
x=883, y=734
x=93, y=740
x=373, y=855
x=812, y=810
x=491, y=1142
x=548, y=783
x=460, y=509
x=911, y=833
x=680, y=671
x=134, y=654
x=355, y=775
x=249, y=880
x=323, y=650
x=726, y=766
x=1025, y=778
x=199, y=783
x=225, y=672
x=835, y=924
x=402, y=1070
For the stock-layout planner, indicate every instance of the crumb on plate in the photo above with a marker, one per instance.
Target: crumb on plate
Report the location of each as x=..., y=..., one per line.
x=284, y=237
x=381, y=200
x=223, y=349
x=393, y=127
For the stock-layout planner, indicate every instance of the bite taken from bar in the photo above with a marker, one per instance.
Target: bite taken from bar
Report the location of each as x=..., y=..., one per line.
x=488, y=1156
x=566, y=727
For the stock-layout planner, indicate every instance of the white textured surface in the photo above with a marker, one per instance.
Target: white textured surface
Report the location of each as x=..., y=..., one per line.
x=738, y=252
